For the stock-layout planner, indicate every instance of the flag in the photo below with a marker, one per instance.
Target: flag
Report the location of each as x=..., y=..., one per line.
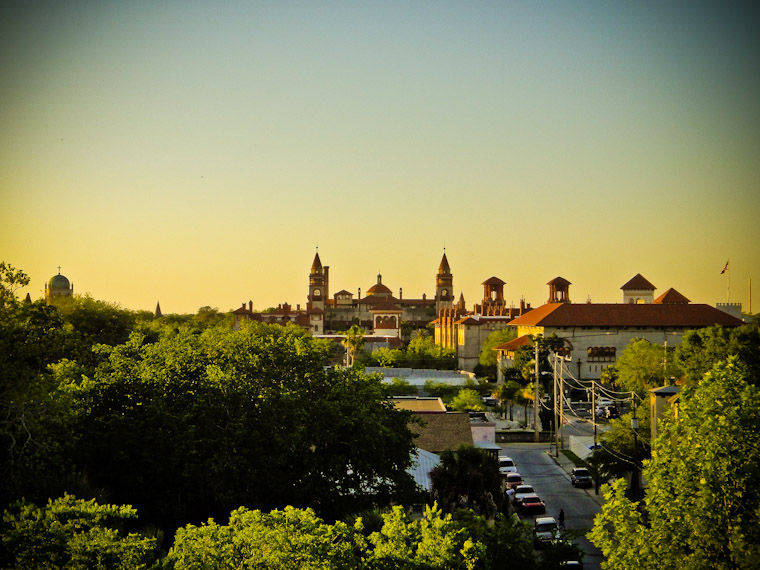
x=725, y=268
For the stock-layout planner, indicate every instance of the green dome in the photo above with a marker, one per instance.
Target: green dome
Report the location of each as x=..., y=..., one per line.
x=59, y=283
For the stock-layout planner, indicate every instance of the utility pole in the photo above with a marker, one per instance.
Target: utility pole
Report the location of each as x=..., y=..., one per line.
x=535, y=396
x=561, y=427
x=635, y=472
x=593, y=419
x=556, y=425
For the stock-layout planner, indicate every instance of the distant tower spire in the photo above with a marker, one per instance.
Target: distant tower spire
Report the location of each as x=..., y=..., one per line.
x=158, y=310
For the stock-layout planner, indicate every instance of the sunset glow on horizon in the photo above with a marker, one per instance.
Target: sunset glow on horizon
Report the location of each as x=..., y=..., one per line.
x=198, y=154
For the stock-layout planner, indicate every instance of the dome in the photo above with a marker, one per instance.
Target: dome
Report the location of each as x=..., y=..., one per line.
x=59, y=283
x=379, y=289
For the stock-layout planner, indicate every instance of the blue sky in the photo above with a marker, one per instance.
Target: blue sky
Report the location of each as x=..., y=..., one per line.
x=196, y=154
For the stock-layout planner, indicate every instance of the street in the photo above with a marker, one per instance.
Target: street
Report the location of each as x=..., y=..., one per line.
x=552, y=484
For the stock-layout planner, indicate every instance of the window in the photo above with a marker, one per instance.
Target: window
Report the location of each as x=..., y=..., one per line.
x=601, y=353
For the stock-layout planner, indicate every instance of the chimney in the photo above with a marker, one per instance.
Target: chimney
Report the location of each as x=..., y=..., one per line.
x=359, y=296
x=250, y=305
x=400, y=293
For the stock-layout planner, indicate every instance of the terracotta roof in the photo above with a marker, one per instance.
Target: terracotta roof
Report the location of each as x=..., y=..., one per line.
x=639, y=283
x=343, y=292
x=671, y=296
x=559, y=281
x=440, y=432
x=386, y=307
x=626, y=315
x=493, y=281
x=378, y=288
x=514, y=344
x=482, y=319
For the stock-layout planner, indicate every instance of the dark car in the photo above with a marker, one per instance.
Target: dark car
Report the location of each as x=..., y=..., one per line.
x=580, y=477
x=545, y=531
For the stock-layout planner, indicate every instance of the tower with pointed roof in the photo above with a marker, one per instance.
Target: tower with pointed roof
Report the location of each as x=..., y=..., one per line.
x=318, y=280
x=638, y=290
x=444, y=285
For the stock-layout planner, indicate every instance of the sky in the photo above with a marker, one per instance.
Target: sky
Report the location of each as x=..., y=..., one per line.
x=198, y=153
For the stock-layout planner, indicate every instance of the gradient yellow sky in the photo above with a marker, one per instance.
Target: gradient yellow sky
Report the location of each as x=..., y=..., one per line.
x=196, y=153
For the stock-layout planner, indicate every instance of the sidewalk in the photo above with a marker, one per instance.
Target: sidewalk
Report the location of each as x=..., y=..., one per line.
x=567, y=466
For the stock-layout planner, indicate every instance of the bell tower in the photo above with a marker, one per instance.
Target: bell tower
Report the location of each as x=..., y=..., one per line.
x=444, y=285
x=318, y=278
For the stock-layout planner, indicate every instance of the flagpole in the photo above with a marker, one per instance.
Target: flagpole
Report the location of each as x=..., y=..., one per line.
x=727, y=269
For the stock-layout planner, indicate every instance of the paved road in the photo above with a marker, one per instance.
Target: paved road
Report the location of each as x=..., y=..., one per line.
x=553, y=485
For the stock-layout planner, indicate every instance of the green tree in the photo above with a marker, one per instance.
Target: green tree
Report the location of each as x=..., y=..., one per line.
x=289, y=538
x=195, y=425
x=468, y=478
x=702, y=501
x=701, y=349
x=35, y=434
x=74, y=534
x=488, y=354
x=467, y=401
x=643, y=365
x=621, y=451
x=11, y=280
x=353, y=341
x=507, y=394
x=422, y=352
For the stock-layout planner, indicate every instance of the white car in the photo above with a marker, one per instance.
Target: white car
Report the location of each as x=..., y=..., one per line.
x=520, y=492
x=506, y=465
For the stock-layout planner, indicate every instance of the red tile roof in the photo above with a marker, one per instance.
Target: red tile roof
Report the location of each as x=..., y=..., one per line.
x=560, y=281
x=639, y=283
x=626, y=315
x=513, y=344
x=493, y=281
x=671, y=296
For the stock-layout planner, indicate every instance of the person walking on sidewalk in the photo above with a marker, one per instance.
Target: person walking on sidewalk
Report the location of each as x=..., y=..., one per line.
x=562, y=519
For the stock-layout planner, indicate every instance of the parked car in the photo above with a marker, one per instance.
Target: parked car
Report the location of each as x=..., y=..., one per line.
x=608, y=412
x=514, y=480
x=520, y=491
x=580, y=477
x=545, y=531
x=532, y=504
x=506, y=465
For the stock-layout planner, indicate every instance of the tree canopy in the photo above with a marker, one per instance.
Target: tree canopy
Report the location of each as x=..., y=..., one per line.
x=701, y=507
x=644, y=365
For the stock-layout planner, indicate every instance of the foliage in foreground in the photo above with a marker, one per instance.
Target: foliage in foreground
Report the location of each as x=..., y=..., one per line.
x=72, y=533
x=702, y=505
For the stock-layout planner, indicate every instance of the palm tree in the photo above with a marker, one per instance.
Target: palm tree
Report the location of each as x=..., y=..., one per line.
x=354, y=341
x=467, y=478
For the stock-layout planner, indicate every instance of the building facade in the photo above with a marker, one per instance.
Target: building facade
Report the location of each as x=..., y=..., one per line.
x=595, y=334
x=378, y=311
